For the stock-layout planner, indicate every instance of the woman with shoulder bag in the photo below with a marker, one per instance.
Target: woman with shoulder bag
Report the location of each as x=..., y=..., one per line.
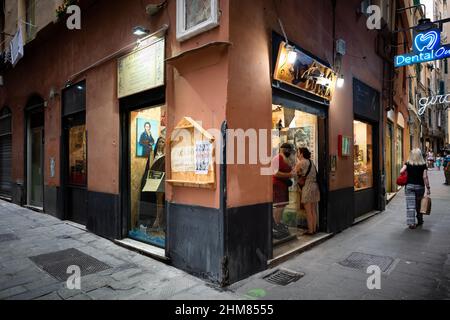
x=417, y=172
x=307, y=180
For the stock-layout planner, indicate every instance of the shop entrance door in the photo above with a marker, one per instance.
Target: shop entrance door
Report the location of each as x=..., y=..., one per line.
x=291, y=218
x=75, y=167
x=35, y=160
x=5, y=153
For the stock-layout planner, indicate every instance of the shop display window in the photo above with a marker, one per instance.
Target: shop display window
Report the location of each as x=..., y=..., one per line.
x=363, y=154
x=147, y=175
x=77, y=156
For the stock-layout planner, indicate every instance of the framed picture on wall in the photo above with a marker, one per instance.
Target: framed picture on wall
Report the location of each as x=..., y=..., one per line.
x=195, y=17
x=147, y=135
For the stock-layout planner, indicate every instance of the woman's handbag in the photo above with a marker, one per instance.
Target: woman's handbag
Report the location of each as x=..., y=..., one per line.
x=403, y=179
x=302, y=179
x=425, y=206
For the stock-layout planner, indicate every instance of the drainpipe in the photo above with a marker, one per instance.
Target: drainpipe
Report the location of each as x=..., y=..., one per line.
x=223, y=206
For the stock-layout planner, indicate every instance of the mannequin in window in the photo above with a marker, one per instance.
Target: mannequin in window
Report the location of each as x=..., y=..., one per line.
x=152, y=203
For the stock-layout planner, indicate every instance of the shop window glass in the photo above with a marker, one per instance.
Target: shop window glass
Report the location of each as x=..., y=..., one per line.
x=363, y=154
x=77, y=156
x=147, y=175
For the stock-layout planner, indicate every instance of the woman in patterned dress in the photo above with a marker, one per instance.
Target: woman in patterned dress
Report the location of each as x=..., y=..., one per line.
x=310, y=192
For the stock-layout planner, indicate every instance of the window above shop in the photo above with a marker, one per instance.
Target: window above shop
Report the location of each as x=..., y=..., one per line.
x=195, y=17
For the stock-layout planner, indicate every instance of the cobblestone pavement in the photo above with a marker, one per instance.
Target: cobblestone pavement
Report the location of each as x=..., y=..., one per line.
x=420, y=268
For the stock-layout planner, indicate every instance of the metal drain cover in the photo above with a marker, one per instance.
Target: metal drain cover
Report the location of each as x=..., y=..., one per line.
x=57, y=263
x=362, y=261
x=283, y=277
x=8, y=237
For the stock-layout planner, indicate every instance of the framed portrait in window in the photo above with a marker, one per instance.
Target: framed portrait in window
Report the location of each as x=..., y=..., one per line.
x=195, y=17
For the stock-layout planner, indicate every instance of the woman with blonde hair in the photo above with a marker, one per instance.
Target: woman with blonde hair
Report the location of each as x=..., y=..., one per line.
x=417, y=170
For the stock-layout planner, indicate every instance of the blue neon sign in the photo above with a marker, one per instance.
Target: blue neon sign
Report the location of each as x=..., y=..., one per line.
x=426, y=47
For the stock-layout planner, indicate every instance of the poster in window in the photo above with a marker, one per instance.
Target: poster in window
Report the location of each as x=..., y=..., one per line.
x=147, y=130
x=304, y=137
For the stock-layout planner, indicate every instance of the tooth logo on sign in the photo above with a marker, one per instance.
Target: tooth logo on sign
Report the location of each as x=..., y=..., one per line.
x=426, y=41
x=426, y=47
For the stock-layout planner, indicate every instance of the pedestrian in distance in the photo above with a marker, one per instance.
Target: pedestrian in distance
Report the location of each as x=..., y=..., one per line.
x=417, y=171
x=439, y=161
x=447, y=169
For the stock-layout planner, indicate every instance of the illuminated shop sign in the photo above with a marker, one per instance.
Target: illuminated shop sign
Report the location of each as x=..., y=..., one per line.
x=298, y=69
x=426, y=47
x=431, y=101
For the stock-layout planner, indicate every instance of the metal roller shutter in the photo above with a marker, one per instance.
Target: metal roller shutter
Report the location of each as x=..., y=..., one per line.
x=5, y=165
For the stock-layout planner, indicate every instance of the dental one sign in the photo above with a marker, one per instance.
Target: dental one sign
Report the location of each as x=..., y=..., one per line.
x=427, y=47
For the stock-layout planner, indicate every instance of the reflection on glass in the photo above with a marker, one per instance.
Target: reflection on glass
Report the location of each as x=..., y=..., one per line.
x=147, y=175
x=363, y=154
x=77, y=156
x=197, y=11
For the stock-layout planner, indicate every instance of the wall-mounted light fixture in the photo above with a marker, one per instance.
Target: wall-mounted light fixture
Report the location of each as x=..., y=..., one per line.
x=340, y=81
x=140, y=31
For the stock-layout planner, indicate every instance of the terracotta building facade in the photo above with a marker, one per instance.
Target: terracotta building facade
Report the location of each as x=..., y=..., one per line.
x=95, y=136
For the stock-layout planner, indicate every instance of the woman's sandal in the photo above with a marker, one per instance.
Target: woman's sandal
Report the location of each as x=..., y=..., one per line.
x=413, y=227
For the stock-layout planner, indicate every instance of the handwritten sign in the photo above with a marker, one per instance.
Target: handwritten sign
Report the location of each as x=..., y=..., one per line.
x=142, y=69
x=183, y=159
